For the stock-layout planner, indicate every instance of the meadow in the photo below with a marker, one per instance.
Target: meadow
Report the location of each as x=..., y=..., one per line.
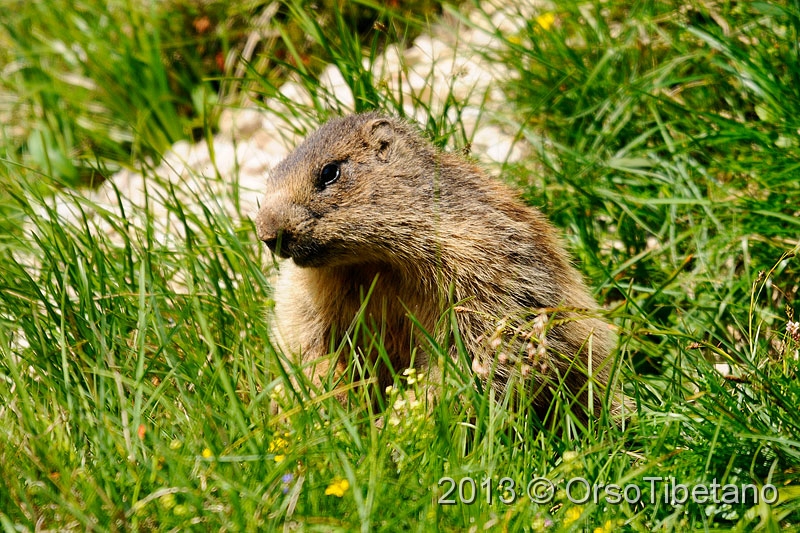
x=139, y=388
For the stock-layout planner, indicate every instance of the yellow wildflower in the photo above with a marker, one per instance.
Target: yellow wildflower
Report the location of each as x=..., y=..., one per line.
x=546, y=20
x=207, y=453
x=337, y=488
x=572, y=515
x=278, y=444
x=608, y=527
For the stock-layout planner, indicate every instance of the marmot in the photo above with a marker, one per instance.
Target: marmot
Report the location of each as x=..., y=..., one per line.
x=366, y=205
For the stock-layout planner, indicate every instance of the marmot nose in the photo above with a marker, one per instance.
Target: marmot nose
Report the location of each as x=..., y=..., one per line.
x=270, y=232
x=267, y=228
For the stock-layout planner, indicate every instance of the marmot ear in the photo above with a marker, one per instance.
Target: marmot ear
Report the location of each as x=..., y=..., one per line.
x=381, y=135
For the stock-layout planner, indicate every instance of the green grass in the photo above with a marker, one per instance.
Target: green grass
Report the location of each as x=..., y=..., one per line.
x=139, y=389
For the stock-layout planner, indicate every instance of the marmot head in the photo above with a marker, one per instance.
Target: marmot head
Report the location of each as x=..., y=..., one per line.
x=353, y=192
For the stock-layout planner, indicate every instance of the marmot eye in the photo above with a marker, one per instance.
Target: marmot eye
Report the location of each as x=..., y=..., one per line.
x=328, y=174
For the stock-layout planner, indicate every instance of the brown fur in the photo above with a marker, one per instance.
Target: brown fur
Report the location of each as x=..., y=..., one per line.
x=436, y=231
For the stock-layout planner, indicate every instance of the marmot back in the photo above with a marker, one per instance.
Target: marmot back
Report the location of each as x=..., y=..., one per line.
x=367, y=204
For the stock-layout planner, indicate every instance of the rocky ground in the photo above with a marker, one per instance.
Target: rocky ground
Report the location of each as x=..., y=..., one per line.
x=228, y=173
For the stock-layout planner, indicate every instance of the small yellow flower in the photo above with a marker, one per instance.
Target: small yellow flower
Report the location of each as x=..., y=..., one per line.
x=279, y=458
x=337, y=488
x=278, y=444
x=608, y=527
x=207, y=453
x=572, y=515
x=546, y=20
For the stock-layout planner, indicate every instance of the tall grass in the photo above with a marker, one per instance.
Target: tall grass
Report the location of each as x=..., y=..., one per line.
x=98, y=81
x=139, y=388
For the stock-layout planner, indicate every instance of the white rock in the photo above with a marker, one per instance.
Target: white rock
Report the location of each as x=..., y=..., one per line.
x=179, y=151
x=492, y=144
x=296, y=93
x=468, y=116
x=420, y=86
x=226, y=121
x=723, y=368
x=507, y=23
x=470, y=80
x=240, y=123
x=256, y=160
x=333, y=80
x=224, y=158
x=198, y=155
x=431, y=50
x=391, y=61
